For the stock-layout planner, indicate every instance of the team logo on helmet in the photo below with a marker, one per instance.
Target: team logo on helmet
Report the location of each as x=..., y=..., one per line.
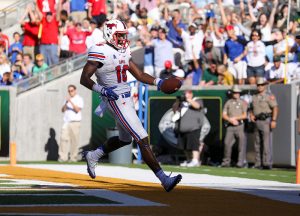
x=115, y=33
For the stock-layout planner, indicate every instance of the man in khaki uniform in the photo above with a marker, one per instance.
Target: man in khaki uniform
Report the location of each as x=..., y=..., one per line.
x=234, y=112
x=264, y=113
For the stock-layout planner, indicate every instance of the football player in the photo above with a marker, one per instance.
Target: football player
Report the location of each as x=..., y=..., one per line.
x=110, y=62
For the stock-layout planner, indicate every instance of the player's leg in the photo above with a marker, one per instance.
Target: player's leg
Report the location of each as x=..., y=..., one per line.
x=124, y=111
x=112, y=144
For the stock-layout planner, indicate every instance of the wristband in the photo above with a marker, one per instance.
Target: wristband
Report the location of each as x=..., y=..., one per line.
x=97, y=88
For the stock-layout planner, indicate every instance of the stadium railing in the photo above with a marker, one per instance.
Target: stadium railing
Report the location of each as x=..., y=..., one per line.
x=10, y=15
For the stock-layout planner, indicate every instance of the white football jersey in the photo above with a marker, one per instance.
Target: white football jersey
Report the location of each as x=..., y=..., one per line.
x=115, y=66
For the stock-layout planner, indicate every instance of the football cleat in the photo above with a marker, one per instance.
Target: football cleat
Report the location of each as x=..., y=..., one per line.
x=171, y=182
x=91, y=164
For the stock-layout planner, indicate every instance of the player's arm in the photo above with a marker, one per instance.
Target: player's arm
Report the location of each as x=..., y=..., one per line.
x=142, y=76
x=88, y=70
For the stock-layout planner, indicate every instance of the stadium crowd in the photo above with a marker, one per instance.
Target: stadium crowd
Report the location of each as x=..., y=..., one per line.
x=203, y=42
x=212, y=42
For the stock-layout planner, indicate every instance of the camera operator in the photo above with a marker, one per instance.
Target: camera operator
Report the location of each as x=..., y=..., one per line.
x=188, y=126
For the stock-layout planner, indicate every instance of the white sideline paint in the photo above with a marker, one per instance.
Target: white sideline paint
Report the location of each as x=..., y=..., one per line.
x=274, y=190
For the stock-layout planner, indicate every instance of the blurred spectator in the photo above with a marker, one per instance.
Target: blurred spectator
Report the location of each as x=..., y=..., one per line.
x=255, y=52
x=234, y=55
x=210, y=53
x=210, y=75
x=192, y=42
x=151, y=6
x=65, y=6
x=4, y=40
x=162, y=51
x=173, y=35
x=281, y=46
x=27, y=61
x=168, y=72
x=96, y=36
x=31, y=30
x=49, y=38
x=296, y=49
x=64, y=45
x=77, y=39
x=97, y=11
x=6, y=79
x=46, y=6
x=86, y=24
x=64, y=17
x=275, y=73
x=78, y=10
x=18, y=71
x=2, y=48
x=131, y=29
x=265, y=23
x=20, y=63
x=227, y=17
x=149, y=50
x=40, y=65
x=282, y=19
x=15, y=48
x=4, y=64
x=224, y=76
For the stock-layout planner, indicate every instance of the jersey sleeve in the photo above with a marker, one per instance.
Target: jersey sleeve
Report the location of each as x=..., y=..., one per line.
x=97, y=53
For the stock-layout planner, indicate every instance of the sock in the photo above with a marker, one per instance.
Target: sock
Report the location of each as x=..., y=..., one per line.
x=97, y=154
x=161, y=175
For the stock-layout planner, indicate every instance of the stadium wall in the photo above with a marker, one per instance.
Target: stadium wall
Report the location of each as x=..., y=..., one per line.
x=36, y=118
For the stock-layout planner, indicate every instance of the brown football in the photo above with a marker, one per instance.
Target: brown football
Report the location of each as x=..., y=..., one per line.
x=170, y=85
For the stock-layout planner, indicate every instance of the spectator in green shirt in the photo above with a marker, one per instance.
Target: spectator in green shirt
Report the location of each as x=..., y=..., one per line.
x=40, y=65
x=210, y=75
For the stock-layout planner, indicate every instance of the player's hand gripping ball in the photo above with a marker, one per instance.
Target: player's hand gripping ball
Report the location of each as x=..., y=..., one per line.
x=170, y=85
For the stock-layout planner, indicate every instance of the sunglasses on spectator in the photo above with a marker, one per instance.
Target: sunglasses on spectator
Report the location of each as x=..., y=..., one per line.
x=71, y=90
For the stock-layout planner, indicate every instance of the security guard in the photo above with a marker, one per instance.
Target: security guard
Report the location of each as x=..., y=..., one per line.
x=234, y=113
x=264, y=113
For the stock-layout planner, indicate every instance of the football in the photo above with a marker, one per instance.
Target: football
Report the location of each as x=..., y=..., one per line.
x=170, y=85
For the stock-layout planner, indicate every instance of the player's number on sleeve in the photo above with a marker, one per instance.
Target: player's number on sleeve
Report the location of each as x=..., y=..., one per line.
x=121, y=73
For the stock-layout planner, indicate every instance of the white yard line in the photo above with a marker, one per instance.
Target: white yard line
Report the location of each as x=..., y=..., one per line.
x=285, y=192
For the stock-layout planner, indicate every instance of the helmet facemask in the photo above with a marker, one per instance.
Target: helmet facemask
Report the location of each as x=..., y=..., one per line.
x=120, y=39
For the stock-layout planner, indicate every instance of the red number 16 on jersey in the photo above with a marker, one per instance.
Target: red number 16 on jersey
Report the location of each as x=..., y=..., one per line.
x=121, y=73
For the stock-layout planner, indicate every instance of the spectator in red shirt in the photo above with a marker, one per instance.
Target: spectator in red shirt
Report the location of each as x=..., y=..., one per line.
x=4, y=40
x=46, y=6
x=30, y=29
x=77, y=39
x=97, y=11
x=49, y=36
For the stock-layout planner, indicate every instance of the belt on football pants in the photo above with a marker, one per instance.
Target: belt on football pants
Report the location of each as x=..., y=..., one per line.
x=125, y=94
